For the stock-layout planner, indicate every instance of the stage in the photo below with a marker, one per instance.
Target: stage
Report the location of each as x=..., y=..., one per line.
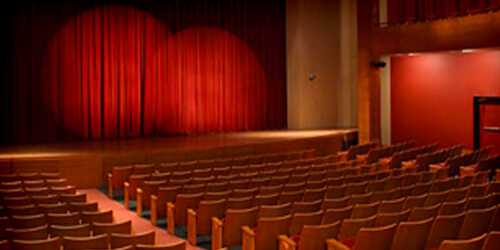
x=86, y=164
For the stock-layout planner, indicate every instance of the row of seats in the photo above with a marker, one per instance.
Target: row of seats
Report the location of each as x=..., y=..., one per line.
x=454, y=163
x=116, y=241
x=244, y=170
x=62, y=220
x=341, y=208
x=314, y=176
x=119, y=174
x=428, y=233
x=292, y=192
x=377, y=153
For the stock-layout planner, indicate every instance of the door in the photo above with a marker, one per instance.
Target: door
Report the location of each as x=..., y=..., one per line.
x=489, y=124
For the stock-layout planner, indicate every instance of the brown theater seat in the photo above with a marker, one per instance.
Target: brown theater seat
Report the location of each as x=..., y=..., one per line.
x=101, y=216
x=45, y=244
x=121, y=240
x=377, y=238
x=83, y=207
x=470, y=244
x=411, y=235
x=124, y=227
x=350, y=227
x=174, y=246
x=266, y=234
x=70, y=231
x=68, y=219
x=492, y=241
x=445, y=227
x=385, y=219
x=60, y=208
x=423, y=213
x=37, y=233
x=81, y=243
x=301, y=219
x=313, y=237
x=27, y=221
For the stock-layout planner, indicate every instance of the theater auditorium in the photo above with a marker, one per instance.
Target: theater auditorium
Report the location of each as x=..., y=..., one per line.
x=250, y=125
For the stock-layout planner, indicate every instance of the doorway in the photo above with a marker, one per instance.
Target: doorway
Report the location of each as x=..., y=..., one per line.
x=487, y=123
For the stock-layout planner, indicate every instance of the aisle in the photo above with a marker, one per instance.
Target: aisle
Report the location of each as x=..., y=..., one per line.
x=121, y=214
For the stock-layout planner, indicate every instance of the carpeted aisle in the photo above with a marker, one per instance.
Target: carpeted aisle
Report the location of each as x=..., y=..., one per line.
x=121, y=214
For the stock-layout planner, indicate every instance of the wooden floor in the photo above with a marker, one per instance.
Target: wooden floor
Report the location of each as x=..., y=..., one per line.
x=172, y=143
x=93, y=160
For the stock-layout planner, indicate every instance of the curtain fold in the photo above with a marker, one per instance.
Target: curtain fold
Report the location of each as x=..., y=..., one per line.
x=101, y=70
x=402, y=11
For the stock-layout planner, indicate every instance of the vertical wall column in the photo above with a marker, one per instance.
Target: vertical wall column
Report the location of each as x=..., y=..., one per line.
x=321, y=63
x=368, y=76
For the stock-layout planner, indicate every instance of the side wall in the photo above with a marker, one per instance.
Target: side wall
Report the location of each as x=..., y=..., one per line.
x=432, y=95
x=475, y=31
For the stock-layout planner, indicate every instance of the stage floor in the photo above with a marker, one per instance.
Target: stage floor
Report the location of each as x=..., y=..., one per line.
x=86, y=164
x=163, y=144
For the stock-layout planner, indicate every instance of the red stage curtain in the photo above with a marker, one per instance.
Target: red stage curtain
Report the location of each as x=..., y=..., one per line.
x=82, y=72
x=402, y=11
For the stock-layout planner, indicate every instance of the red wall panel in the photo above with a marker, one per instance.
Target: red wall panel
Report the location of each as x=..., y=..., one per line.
x=432, y=95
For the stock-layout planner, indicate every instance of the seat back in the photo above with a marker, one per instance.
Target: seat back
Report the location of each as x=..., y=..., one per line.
x=350, y=227
x=391, y=206
x=182, y=203
x=385, y=219
x=207, y=210
x=64, y=219
x=37, y=233
x=301, y=219
x=234, y=220
x=27, y=221
x=445, y=227
x=365, y=210
x=411, y=235
x=377, y=238
x=268, y=230
x=313, y=237
x=101, y=216
x=45, y=244
x=71, y=231
x=121, y=240
x=333, y=215
x=422, y=213
x=271, y=211
x=452, y=207
x=174, y=246
x=470, y=244
x=77, y=243
x=492, y=241
x=124, y=227
x=476, y=223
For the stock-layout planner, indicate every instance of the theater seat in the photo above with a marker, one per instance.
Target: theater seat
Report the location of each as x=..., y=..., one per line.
x=46, y=244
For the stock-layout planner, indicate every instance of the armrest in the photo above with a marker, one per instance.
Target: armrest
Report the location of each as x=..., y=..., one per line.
x=170, y=218
x=335, y=245
x=126, y=195
x=285, y=243
x=191, y=227
x=247, y=238
x=139, y=202
x=110, y=185
x=154, y=203
x=216, y=233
